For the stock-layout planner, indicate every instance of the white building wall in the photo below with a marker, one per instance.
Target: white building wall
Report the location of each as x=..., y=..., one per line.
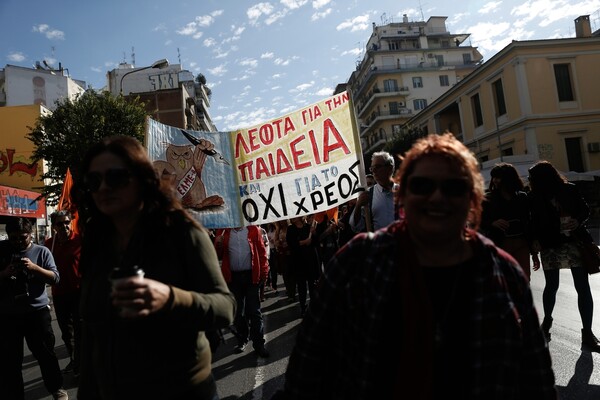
x=26, y=86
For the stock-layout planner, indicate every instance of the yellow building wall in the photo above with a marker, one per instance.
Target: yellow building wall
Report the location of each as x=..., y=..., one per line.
x=16, y=167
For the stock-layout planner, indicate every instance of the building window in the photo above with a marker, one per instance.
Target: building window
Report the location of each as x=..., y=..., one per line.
x=476, y=106
x=499, y=97
x=396, y=129
x=467, y=58
x=574, y=154
x=444, y=80
x=440, y=60
x=419, y=104
x=483, y=159
x=393, y=108
x=390, y=85
x=417, y=82
x=507, y=152
x=562, y=74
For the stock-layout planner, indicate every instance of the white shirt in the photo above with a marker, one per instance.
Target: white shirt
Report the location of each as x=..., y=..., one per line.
x=240, y=258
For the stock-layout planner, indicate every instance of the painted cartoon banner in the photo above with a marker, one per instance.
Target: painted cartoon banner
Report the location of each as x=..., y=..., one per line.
x=298, y=164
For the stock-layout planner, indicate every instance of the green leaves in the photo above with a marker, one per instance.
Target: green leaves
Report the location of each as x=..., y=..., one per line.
x=63, y=137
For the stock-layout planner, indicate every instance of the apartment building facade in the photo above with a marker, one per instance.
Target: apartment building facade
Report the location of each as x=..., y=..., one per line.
x=533, y=100
x=172, y=95
x=406, y=66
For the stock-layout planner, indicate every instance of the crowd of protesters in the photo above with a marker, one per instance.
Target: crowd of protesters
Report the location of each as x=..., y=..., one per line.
x=450, y=302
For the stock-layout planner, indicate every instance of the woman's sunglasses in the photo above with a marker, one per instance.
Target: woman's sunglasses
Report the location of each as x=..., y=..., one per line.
x=422, y=186
x=115, y=178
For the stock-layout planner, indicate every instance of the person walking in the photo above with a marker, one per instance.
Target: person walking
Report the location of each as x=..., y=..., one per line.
x=245, y=268
x=65, y=246
x=377, y=200
x=304, y=258
x=558, y=213
x=151, y=283
x=467, y=326
x=25, y=270
x=505, y=218
x=284, y=262
x=273, y=255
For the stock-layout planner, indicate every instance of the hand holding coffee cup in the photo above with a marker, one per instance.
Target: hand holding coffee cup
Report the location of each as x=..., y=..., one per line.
x=125, y=290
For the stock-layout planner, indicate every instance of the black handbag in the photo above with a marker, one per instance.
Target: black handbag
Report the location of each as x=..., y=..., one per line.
x=590, y=254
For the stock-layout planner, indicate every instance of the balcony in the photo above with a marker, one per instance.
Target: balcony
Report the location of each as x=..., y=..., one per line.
x=430, y=65
x=377, y=116
x=364, y=102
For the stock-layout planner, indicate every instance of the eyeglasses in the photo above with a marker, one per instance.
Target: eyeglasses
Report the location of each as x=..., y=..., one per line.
x=422, y=186
x=115, y=178
x=375, y=167
x=62, y=223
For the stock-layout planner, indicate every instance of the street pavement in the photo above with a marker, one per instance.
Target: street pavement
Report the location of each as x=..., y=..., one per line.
x=245, y=376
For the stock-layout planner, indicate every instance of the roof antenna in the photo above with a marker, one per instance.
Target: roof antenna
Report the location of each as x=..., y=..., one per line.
x=179, y=56
x=421, y=9
x=132, y=56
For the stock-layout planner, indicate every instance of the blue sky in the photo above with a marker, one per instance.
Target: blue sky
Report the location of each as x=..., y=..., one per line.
x=261, y=59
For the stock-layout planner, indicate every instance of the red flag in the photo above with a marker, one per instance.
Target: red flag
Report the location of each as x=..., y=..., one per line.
x=65, y=203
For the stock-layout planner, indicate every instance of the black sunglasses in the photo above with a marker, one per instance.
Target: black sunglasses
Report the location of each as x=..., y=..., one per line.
x=422, y=186
x=115, y=178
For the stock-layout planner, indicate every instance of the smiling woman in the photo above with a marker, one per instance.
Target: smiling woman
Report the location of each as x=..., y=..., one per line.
x=468, y=327
x=135, y=223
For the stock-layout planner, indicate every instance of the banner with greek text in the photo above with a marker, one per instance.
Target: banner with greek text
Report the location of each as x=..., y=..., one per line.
x=301, y=163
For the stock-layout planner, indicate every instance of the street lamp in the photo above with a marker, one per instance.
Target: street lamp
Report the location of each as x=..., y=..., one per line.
x=162, y=63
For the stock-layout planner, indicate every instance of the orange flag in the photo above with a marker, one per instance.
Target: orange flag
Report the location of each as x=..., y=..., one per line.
x=65, y=203
x=332, y=213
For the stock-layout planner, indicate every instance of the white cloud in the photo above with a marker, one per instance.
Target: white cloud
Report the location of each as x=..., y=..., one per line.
x=16, y=57
x=216, y=13
x=320, y=3
x=491, y=37
x=239, y=30
x=359, y=23
x=319, y=15
x=293, y=4
x=324, y=92
x=249, y=62
x=490, y=7
x=271, y=19
x=219, y=70
x=355, y=52
x=267, y=55
x=188, y=30
x=197, y=35
x=258, y=10
x=209, y=42
x=302, y=87
x=204, y=20
x=49, y=33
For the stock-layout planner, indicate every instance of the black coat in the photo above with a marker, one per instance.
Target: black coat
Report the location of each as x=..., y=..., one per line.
x=546, y=216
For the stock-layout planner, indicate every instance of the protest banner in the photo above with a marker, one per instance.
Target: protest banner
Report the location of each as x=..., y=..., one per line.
x=301, y=163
